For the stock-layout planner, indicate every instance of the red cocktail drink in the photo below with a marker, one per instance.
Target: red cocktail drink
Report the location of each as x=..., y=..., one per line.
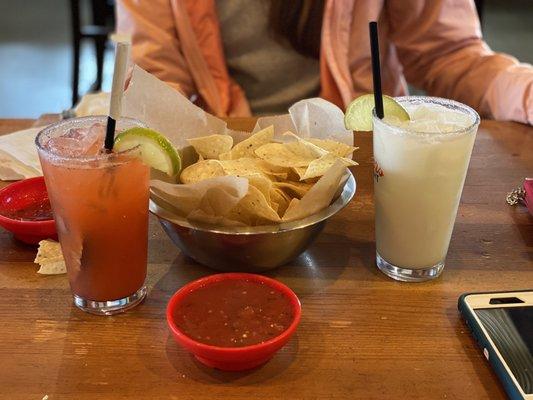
x=100, y=204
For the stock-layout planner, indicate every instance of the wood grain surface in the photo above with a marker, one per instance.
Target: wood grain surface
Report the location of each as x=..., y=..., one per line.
x=362, y=335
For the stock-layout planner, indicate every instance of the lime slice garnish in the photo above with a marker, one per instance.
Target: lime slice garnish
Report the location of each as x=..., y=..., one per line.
x=358, y=116
x=155, y=149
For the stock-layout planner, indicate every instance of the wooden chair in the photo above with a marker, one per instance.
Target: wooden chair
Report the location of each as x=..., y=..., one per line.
x=101, y=26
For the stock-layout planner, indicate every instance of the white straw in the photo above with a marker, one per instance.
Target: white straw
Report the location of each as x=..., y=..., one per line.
x=119, y=77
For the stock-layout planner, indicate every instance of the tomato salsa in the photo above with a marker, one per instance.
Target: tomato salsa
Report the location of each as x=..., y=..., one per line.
x=38, y=211
x=233, y=313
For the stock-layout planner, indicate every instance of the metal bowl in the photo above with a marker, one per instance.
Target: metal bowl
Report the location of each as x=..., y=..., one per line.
x=250, y=249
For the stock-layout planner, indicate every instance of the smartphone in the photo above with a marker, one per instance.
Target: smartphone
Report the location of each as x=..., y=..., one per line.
x=502, y=324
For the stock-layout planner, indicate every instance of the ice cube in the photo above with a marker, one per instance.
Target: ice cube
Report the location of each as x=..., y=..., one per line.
x=79, y=141
x=425, y=126
x=94, y=139
x=64, y=146
x=436, y=119
x=75, y=133
x=425, y=113
x=456, y=119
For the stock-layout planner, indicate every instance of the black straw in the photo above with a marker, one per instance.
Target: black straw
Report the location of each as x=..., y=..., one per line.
x=376, y=69
x=117, y=89
x=110, y=133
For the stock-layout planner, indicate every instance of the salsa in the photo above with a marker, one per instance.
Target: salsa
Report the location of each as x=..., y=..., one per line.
x=39, y=211
x=234, y=313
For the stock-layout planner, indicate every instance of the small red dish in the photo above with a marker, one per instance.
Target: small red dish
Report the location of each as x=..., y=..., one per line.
x=21, y=195
x=233, y=358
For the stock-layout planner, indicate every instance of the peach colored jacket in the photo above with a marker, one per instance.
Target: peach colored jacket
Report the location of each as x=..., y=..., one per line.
x=433, y=44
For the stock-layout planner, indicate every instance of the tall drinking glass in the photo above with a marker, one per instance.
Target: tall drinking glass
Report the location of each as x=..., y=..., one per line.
x=100, y=204
x=419, y=175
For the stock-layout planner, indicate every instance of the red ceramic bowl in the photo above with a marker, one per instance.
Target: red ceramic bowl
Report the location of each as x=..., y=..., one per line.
x=233, y=358
x=19, y=195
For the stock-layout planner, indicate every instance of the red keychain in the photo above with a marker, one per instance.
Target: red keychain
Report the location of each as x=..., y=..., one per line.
x=523, y=195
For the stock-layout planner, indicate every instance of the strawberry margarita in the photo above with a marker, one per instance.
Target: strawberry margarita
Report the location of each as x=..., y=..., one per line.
x=100, y=204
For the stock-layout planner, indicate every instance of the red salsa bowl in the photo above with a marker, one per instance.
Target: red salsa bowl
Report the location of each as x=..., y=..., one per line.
x=25, y=211
x=233, y=321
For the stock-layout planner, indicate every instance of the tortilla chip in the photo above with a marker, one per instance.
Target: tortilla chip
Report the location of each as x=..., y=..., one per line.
x=262, y=183
x=330, y=151
x=310, y=148
x=320, y=166
x=202, y=170
x=247, y=147
x=253, y=209
x=321, y=193
x=292, y=206
x=210, y=147
x=299, y=153
x=280, y=198
x=241, y=166
x=225, y=156
x=246, y=166
x=50, y=258
x=53, y=268
x=288, y=155
x=333, y=147
x=49, y=251
x=297, y=189
x=273, y=171
x=300, y=171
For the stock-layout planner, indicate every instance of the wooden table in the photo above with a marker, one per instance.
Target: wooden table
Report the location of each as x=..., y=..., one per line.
x=362, y=335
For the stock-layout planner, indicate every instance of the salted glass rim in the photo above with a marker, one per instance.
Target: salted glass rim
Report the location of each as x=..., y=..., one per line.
x=432, y=100
x=85, y=122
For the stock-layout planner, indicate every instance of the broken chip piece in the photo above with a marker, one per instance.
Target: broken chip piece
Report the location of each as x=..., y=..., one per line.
x=50, y=258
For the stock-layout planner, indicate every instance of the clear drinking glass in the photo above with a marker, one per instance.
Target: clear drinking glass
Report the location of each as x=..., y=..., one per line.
x=100, y=204
x=420, y=169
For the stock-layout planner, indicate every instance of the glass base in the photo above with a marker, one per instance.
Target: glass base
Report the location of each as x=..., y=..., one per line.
x=406, y=274
x=110, y=307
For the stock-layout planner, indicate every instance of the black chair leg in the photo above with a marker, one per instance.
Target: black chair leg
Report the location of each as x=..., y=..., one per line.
x=75, y=72
x=99, y=47
x=98, y=31
x=98, y=8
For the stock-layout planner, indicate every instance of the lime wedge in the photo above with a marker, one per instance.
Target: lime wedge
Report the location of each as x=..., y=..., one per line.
x=155, y=149
x=358, y=116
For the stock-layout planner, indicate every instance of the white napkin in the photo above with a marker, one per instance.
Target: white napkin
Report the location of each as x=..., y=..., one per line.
x=18, y=155
x=93, y=104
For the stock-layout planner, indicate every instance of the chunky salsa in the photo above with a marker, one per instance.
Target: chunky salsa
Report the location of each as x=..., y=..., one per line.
x=234, y=313
x=39, y=211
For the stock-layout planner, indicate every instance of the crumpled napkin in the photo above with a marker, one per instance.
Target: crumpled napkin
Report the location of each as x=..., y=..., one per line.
x=18, y=155
x=93, y=104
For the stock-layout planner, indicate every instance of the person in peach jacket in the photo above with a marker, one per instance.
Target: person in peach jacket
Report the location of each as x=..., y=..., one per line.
x=235, y=57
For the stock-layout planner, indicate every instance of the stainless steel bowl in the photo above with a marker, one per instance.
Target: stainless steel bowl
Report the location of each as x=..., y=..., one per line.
x=251, y=249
